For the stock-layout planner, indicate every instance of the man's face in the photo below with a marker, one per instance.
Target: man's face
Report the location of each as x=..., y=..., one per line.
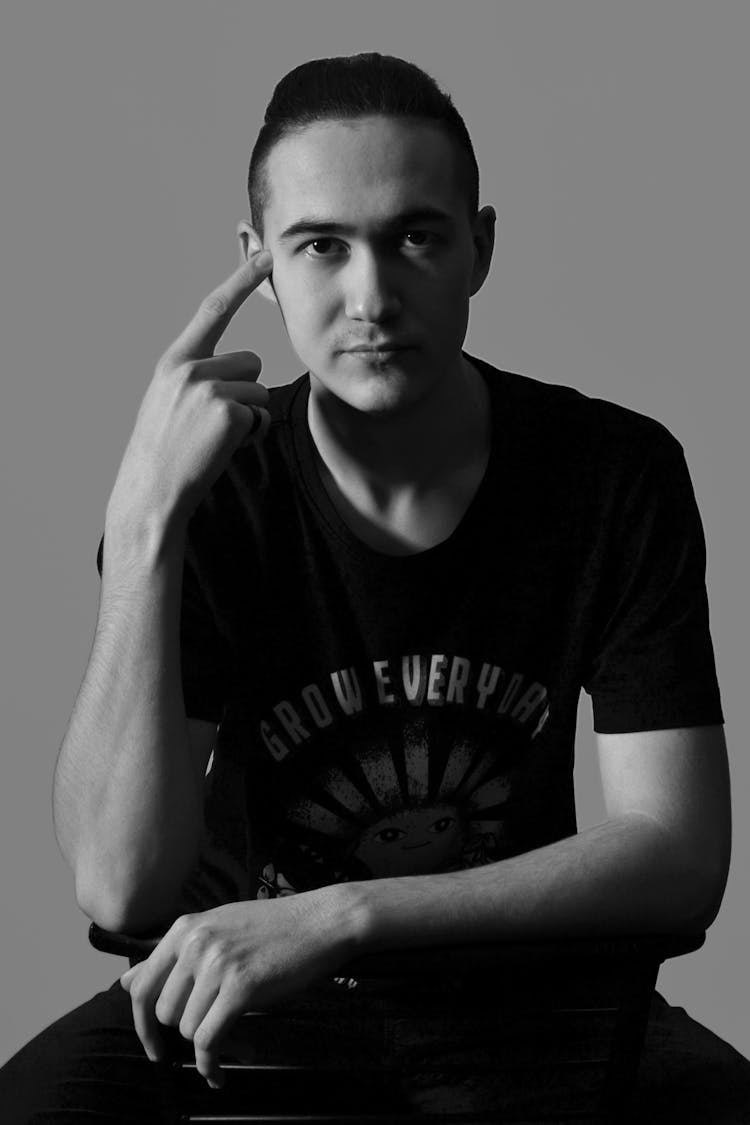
x=399, y=265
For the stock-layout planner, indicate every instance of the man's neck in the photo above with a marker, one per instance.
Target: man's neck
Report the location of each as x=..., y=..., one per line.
x=407, y=454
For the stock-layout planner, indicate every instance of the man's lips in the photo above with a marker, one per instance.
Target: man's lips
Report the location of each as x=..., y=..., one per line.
x=377, y=349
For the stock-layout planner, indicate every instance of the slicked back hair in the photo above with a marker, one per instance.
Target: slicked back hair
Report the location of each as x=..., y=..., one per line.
x=352, y=86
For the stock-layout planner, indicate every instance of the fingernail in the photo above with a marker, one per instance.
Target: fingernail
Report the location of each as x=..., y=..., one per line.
x=263, y=259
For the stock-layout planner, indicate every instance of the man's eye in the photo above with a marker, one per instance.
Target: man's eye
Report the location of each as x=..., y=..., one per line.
x=424, y=237
x=322, y=244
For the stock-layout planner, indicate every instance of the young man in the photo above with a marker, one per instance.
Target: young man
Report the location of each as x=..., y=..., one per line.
x=372, y=597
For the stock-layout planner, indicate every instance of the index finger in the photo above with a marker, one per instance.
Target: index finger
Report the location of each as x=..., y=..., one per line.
x=204, y=331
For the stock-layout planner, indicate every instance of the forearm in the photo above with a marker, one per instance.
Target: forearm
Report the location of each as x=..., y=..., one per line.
x=622, y=876
x=128, y=806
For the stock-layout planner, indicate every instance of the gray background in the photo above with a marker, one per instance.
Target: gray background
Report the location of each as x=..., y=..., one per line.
x=611, y=139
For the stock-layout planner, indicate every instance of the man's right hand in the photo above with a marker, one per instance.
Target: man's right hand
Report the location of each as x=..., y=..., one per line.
x=198, y=409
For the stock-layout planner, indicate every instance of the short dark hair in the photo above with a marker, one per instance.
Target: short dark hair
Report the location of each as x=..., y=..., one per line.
x=351, y=86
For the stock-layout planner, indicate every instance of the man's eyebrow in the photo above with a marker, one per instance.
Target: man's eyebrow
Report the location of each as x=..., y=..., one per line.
x=314, y=224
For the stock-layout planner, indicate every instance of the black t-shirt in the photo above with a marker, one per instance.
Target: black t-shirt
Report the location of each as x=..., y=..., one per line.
x=383, y=715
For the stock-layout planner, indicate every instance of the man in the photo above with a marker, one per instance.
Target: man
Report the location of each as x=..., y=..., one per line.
x=372, y=596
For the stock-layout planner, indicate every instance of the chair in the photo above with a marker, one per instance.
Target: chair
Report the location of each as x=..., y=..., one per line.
x=567, y=1020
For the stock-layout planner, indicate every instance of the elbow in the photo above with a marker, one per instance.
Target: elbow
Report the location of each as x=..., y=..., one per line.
x=708, y=879
x=707, y=894
x=106, y=916
x=699, y=866
x=120, y=919
x=133, y=899
x=699, y=891
x=145, y=914
x=687, y=891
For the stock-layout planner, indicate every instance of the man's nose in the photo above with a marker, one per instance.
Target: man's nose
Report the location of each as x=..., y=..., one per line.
x=370, y=291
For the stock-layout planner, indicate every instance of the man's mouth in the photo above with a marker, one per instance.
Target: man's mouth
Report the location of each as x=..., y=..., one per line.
x=384, y=353
x=382, y=346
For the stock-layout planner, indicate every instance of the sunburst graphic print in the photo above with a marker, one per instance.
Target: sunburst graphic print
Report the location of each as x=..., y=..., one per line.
x=420, y=799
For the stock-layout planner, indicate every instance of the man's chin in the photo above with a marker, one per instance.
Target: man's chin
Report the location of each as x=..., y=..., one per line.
x=383, y=401
x=370, y=389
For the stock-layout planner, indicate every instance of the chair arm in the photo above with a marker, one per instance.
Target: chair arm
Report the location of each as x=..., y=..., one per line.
x=473, y=957
x=134, y=947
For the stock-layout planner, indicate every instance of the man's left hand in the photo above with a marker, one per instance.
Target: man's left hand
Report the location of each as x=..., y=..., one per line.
x=212, y=966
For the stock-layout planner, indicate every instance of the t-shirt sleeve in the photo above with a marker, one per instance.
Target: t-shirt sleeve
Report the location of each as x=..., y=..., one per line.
x=205, y=656
x=652, y=666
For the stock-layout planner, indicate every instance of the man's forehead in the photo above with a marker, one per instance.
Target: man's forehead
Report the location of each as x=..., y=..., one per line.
x=375, y=165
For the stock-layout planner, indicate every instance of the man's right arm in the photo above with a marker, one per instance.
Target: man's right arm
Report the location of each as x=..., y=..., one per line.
x=128, y=785
x=128, y=792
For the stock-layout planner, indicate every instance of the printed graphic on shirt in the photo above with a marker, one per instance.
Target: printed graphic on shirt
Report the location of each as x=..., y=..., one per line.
x=416, y=680
x=401, y=767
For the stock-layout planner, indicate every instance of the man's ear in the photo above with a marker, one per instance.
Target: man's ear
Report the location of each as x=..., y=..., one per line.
x=483, y=237
x=249, y=243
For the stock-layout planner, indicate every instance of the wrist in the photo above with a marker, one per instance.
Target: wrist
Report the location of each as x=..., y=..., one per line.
x=145, y=537
x=348, y=916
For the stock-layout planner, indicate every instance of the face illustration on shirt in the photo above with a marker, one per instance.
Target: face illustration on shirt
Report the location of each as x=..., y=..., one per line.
x=383, y=808
x=414, y=841
x=400, y=264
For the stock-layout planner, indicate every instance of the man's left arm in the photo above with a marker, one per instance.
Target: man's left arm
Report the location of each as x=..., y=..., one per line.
x=658, y=863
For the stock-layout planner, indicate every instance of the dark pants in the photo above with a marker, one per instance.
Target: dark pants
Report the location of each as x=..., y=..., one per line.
x=89, y=1066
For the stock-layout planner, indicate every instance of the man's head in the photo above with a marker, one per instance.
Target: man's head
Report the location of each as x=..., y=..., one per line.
x=374, y=159
x=350, y=87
